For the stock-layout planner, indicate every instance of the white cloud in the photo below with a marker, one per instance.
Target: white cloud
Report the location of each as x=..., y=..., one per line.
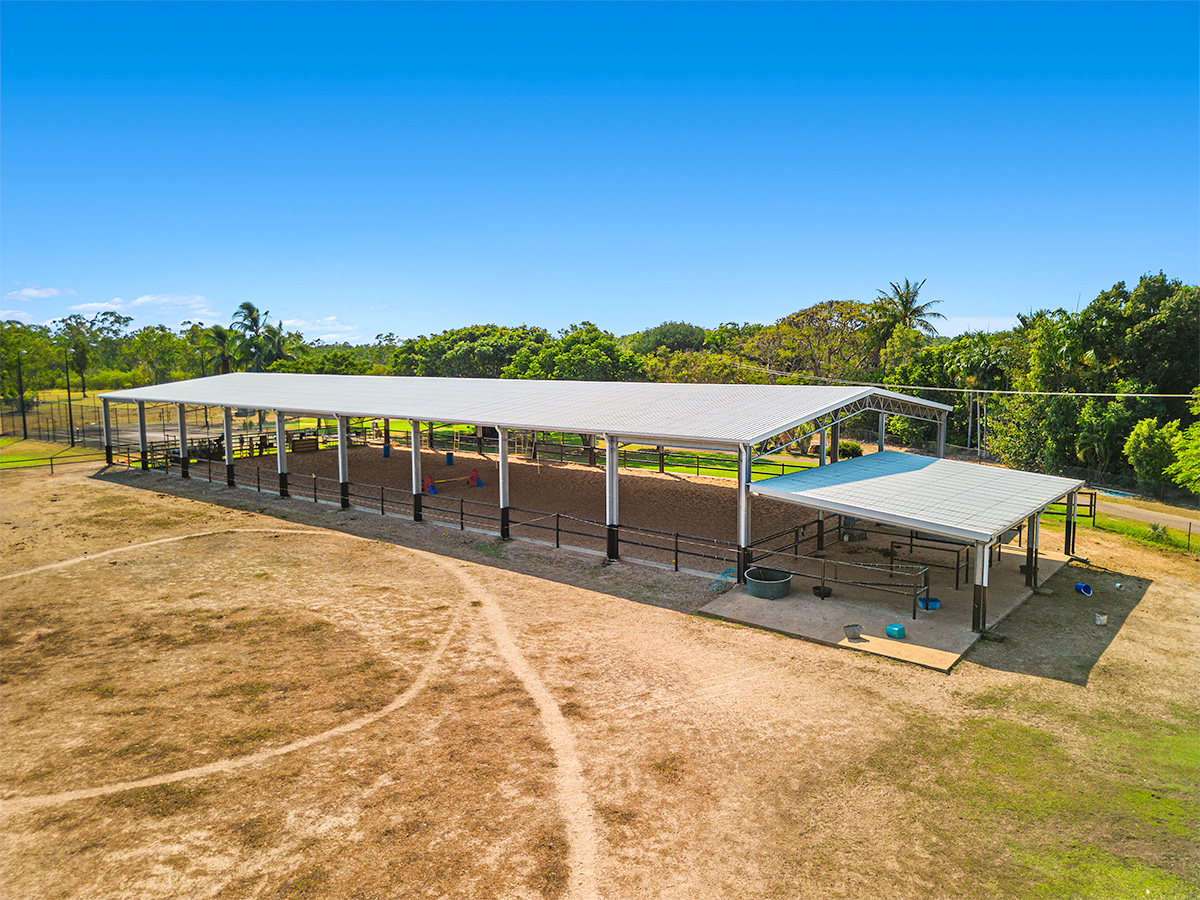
x=19, y=314
x=173, y=301
x=35, y=292
x=379, y=307
x=327, y=329
x=116, y=304
x=193, y=306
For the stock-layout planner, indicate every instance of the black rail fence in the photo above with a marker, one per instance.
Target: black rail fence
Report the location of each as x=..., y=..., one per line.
x=910, y=581
x=661, y=548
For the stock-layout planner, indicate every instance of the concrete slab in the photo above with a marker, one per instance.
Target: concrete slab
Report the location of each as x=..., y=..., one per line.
x=936, y=639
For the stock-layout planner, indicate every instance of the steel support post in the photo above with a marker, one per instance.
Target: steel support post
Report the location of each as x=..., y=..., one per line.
x=1037, y=541
x=941, y=435
x=612, y=496
x=823, y=457
x=387, y=431
x=502, y=434
x=820, y=529
x=227, y=423
x=743, y=512
x=979, y=607
x=882, y=430
x=1072, y=524
x=281, y=453
x=142, y=449
x=1030, y=530
x=108, y=443
x=343, y=425
x=414, y=430
x=835, y=439
x=181, y=410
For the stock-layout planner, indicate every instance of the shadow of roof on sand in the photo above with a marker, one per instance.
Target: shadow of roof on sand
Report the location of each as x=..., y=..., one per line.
x=1057, y=636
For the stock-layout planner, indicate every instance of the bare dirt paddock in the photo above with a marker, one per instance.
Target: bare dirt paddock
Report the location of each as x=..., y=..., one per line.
x=215, y=693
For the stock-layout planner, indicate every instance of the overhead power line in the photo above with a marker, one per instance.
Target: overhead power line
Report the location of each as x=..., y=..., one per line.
x=929, y=387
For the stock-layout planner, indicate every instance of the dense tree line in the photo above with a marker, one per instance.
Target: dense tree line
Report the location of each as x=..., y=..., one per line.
x=1022, y=393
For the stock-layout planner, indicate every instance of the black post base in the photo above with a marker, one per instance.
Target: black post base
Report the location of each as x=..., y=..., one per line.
x=345, y=494
x=283, y=487
x=744, y=558
x=614, y=541
x=145, y=462
x=504, y=523
x=108, y=454
x=416, y=507
x=979, y=609
x=183, y=467
x=820, y=534
x=229, y=479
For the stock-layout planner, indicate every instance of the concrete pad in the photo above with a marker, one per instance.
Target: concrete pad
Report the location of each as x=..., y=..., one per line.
x=936, y=639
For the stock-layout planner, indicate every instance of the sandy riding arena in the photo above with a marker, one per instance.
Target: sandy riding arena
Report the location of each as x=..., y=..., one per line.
x=212, y=693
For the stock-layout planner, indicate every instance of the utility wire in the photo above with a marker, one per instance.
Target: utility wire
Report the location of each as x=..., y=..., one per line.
x=927, y=387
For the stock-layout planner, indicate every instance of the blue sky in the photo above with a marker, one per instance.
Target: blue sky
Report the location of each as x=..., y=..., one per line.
x=357, y=169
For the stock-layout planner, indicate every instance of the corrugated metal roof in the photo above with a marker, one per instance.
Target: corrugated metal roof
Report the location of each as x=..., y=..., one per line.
x=942, y=496
x=693, y=414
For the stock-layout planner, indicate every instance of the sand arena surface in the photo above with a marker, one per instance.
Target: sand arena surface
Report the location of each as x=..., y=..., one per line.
x=564, y=730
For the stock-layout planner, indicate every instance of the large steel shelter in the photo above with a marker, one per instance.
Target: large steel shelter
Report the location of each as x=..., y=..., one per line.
x=749, y=420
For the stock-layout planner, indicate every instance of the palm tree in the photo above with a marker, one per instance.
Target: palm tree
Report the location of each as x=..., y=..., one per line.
x=225, y=344
x=898, y=308
x=280, y=345
x=249, y=321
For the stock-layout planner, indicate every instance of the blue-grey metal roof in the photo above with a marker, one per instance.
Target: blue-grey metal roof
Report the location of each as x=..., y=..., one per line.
x=705, y=415
x=961, y=500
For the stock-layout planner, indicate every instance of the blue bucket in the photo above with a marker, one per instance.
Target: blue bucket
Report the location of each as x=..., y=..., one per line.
x=895, y=631
x=1085, y=589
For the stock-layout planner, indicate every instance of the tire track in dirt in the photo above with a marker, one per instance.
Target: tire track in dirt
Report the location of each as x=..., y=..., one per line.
x=575, y=805
x=18, y=805
x=574, y=802
x=101, y=554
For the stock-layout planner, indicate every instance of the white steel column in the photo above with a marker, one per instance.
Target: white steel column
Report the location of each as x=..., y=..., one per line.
x=821, y=459
x=181, y=412
x=141, y=408
x=344, y=459
x=1072, y=523
x=418, y=487
x=612, y=495
x=979, y=607
x=108, y=443
x=941, y=437
x=1037, y=544
x=227, y=421
x=882, y=430
x=743, y=511
x=281, y=453
x=1030, y=537
x=502, y=447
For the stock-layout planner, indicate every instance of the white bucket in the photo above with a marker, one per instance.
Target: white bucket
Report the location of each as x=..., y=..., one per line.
x=1101, y=619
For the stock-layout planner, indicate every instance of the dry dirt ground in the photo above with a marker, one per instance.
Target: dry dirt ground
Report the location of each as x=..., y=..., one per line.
x=215, y=693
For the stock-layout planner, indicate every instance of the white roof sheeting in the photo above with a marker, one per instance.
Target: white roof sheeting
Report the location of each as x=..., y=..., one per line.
x=959, y=500
x=719, y=415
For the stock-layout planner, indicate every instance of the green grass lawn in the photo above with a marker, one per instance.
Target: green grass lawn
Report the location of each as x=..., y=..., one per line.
x=15, y=451
x=1160, y=536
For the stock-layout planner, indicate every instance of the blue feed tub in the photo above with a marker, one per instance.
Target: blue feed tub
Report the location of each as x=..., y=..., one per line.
x=768, y=584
